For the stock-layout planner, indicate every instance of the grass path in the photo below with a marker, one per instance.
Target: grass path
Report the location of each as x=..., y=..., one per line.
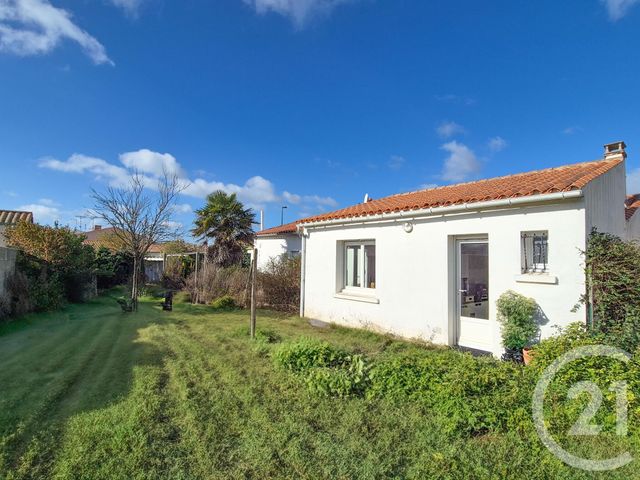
x=92, y=393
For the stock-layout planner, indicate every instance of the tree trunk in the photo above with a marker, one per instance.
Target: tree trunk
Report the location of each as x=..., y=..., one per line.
x=135, y=280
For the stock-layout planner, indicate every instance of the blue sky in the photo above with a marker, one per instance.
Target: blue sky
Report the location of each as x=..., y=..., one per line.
x=306, y=103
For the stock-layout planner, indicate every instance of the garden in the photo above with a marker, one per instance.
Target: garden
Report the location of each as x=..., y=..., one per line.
x=187, y=394
x=93, y=390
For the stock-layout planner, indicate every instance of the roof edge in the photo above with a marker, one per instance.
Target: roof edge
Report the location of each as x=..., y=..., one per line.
x=444, y=210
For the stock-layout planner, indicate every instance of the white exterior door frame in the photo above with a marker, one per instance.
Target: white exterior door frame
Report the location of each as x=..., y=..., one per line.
x=471, y=329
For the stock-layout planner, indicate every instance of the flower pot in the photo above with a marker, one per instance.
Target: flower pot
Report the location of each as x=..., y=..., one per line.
x=527, y=355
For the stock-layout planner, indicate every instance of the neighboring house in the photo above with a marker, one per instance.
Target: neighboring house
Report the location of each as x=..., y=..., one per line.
x=632, y=204
x=431, y=264
x=276, y=241
x=8, y=255
x=153, y=259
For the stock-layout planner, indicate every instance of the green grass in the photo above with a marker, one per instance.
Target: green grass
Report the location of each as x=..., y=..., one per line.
x=93, y=393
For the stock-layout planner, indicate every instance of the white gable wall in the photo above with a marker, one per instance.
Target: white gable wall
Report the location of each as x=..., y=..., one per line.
x=415, y=271
x=633, y=227
x=604, y=199
x=272, y=247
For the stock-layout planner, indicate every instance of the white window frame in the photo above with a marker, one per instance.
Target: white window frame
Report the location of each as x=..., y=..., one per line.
x=361, y=267
x=534, y=268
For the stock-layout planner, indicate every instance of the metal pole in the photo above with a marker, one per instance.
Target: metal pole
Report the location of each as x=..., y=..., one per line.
x=254, y=270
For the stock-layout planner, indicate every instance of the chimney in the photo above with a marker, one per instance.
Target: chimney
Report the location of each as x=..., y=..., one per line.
x=616, y=149
x=97, y=227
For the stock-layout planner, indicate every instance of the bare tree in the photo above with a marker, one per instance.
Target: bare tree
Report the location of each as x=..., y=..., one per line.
x=139, y=219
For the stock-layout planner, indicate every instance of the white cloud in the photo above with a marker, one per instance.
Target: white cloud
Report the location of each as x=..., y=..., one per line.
x=300, y=12
x=256, y=192
x=77, y=163
x=619, y=8
x=42, y=213
x=449, y=129
x=461, y=162
x=320, y=201
x=35, y=27
x=154, y=163
x=130, y=7
x=571, y=130
x=183, y=208
x=396, y=162
x=428, y=186
x=291, y=198
x=633, y=181
x=497, y=144
x=10, y=193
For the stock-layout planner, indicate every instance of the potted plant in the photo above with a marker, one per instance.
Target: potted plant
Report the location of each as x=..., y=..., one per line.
x=516, y=316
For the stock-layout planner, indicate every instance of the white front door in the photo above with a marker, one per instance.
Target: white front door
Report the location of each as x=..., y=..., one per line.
x=473, y=326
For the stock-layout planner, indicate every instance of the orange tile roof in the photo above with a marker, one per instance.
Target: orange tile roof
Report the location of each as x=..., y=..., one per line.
x=550, y=180
x=631, y=204
x=280, y=229
x=9, y=217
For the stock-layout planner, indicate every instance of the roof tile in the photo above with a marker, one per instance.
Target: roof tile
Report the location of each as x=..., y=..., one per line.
x=550, y=180
x=10, y=217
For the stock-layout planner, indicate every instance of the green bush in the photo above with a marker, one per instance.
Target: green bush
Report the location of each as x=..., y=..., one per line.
x=469, y=395
x=515, y=314
x=280, y=284
x=182, y=297
x=348, y=379
x=226, y=302
x=307, y=353
x=603, y=371
x=613, y=275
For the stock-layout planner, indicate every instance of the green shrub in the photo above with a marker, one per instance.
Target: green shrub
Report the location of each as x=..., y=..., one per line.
x=348, y=379
x=603, y=371
x=515, y=314
x=307, y=353
x=612, y=268
x=182, y=297
x=280, y=284
x=469, y=395
x=267, y=336
x=226, y=302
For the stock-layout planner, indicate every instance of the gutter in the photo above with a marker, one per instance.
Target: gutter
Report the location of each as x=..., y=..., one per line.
x=303, y=270
x=434, y=211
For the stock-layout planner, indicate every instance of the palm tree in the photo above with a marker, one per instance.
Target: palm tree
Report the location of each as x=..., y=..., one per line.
x=226, y=222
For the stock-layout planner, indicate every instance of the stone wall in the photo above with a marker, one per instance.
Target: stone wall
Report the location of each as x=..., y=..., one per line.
x=7, y=264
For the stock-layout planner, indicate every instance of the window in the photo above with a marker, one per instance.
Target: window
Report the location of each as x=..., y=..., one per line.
x=535, y=251
x=360, y=264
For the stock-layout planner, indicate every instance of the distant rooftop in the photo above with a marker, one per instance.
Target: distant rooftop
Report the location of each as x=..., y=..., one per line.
x=10, y=217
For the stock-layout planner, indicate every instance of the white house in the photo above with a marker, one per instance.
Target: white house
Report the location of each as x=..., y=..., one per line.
x=431, y=264
x=276, y=241
x=632, y=205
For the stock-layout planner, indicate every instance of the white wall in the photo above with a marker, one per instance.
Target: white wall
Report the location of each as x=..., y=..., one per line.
x=633, y=227
x=604, y=202
x=415, y=271
x=272, y=247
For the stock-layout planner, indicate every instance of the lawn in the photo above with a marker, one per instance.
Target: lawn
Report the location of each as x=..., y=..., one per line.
x=90, y=392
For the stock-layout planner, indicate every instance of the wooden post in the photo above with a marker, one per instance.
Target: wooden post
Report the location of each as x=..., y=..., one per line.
x=254, y=271
x=195, y=278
